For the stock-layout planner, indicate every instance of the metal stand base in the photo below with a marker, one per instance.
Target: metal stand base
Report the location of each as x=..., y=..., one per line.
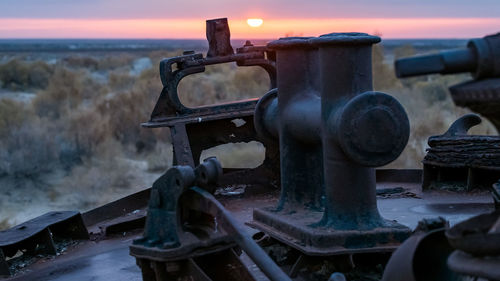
x=298, y=231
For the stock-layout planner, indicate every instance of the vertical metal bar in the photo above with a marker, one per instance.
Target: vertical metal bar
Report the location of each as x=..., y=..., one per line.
x=181, y=147
x=48, y=242
x=4, y=266
x=429, y=175
x=471, y=181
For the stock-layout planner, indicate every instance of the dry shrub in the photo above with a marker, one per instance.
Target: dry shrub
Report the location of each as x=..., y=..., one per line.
x=160, y=158
x=12, y=115
x=62, y=94
x=66, y=91
x=87, y=129
x=81, y=62
x=404, y=51
x=157, y=56
x=126, y=110
x=28, y=145
x=29, y=150
x=100, y=179
x=115, y=60
x=120, y=81
x=383, y=74
x=21, y=75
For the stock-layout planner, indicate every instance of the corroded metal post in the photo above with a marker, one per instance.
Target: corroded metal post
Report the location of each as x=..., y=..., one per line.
x=354, y=129
x=295, y=120
x=361, y=129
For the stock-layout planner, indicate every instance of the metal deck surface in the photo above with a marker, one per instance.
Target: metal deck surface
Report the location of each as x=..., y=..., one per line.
x=109, y=259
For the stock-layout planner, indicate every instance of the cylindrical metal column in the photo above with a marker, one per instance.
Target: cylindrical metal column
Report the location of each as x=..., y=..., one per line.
x=361, y=129
x=299, y=120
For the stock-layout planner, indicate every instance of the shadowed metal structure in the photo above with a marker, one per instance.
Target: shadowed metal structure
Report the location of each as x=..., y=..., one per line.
x=332, y=130
x=456, y=158
x=188, y=126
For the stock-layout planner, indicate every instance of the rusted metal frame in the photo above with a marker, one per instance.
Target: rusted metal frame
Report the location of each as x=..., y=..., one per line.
x=169, y=104
x=37, y=235
x=227, y=132
x=264, y=175
x=178, y=215
x=124, y=224
x=120, y=207
x=182, y=149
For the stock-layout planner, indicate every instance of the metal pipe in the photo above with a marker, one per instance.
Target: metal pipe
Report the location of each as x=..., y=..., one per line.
x=481, y=58
x=240, y=236
x=459, y=60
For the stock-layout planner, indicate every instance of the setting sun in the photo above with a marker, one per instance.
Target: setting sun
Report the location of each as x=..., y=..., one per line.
x=255, y=22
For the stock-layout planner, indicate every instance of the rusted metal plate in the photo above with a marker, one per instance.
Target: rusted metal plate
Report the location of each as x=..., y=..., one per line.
x=102, y=261
x=120, y=207
x=37, y=236
x=54, y=220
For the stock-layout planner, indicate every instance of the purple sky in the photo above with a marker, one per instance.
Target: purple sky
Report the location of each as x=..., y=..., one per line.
x=133, y=9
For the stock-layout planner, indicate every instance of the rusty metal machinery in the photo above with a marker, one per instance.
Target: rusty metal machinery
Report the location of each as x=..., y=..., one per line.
x=43, y=235
x=456, y=158
x=477, y=244
x=481, y=58
x=186, y=227
x=467, y=251
x=332, y=130
x=423, y=256
x=188, y=126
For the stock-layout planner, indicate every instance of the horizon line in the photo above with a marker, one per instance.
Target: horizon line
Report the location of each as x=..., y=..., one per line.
x=202, y=38
x=397, y=28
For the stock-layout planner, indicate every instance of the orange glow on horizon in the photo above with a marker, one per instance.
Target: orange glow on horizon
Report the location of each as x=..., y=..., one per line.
x=274, y=28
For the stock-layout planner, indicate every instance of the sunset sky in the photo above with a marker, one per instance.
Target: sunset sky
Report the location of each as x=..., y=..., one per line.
x=186, y=18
